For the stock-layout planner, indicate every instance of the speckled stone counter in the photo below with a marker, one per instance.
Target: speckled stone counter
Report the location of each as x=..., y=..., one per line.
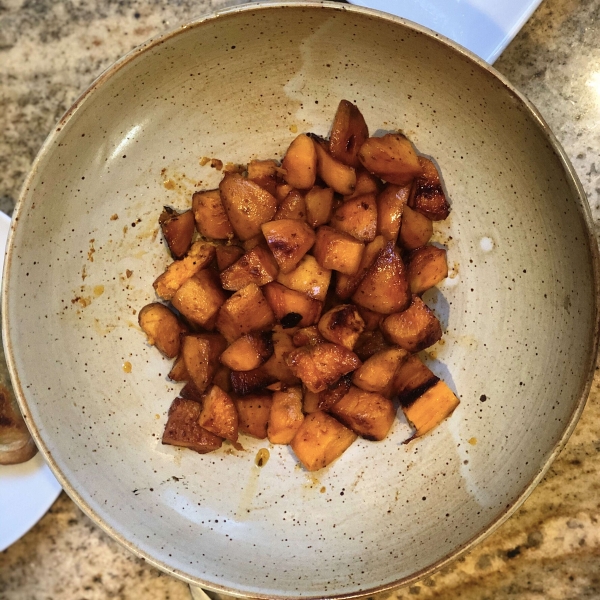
x=50, y=50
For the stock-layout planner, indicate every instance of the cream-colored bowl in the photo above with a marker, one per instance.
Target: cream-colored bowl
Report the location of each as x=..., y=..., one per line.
x=519, y=309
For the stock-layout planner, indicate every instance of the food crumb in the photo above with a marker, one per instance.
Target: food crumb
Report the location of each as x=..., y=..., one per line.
x=127, y=367
x=169, y=184
x=98, y=290
x=114, y=217
x=204, y=160
x=294, y=128
x=322, y=490
x=217, y=164
x=262, y=456
x=472, y=441
x=128, y=273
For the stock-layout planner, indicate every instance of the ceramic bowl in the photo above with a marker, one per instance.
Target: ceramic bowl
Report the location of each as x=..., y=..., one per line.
x=519, y=308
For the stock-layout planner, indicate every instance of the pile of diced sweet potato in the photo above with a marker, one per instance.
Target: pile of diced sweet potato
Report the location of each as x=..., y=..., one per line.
x=293, y=305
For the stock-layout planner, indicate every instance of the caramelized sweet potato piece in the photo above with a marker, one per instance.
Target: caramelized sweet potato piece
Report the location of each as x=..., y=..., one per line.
x=426, y=267
x=247, y=205
x=249, y=351
x=320, y=365
x=320, y=440
x=276, y=366
x=431, y=408
x=390, y=208
x=247, y=310
x=391, y=157
x=366, y=183
x=182, y=428
x=281, y=192
x=201, y=357
x=371, y=318
x=256, y=266
x=384, y=288
x=284, y=301
x=309, y=277
x=177, y=229
x=307, y=335
x=218, y=414
x=178, y=272
x=342, y=325
x=293, y=206
x=412, y=378
x=251, y=382
x=178, y=371
x=416, y=229
x=289, y=240
x=162, y=328
x=253, y=414
x=348, y=133
x=414, y=329
x=300, y=163
x=310, y=402
x=336, y=175
x=319, y=203
x=286, y=415
x=376, y=374
x=200, y=298
x=368, y=414
x=370, y=342
x=227, y=255
x=222, y=378
x=429, y=198
x=210, y=216
x=337, y=250
x=264, y=173
x=357, y=217
x=334, y=393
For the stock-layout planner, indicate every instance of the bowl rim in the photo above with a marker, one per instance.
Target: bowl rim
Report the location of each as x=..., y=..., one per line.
x=570, y=175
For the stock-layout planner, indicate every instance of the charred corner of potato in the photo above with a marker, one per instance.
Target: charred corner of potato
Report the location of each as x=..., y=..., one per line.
x=292, y=309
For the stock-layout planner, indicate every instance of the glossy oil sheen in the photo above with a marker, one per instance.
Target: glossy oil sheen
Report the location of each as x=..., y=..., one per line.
x=518, y=310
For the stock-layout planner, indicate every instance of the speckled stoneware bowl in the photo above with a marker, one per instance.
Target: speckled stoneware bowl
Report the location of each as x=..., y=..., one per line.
x=519, y=309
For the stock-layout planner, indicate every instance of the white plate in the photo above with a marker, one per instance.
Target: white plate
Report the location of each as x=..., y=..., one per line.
x=485, y=27
x=27, y=490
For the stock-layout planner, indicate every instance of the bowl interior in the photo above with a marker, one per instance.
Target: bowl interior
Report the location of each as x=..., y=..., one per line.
x=518, y=310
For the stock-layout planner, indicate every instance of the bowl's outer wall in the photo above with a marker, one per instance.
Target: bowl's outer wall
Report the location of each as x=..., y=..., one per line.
x=518, y=309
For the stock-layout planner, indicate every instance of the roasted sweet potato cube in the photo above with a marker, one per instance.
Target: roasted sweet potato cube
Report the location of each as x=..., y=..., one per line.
x=201, y=357
x=200, y=298
x=286, y=415
x=300, y=163
x=162, y=328
x=309, y=277
x=281, y=192
x=310, y=402
x=251, y=382
x=256, y=240
x=384, y=288
x=431, y=408
x=337, y=250
x=178, y=272
x=391, y=157
x=289, y=240
x=255, y=266
x=348, y=133
x=182, y=428
x=190, y=392
x=390, y=208
x=414, y=329
x=429, y=198
x=426, y=267
x=320, y=365
x=320, y=440
x=334, y=393
x=249, y=351
x=264, y=172
x=376, y=374
x=218, y=414
x=307, y=335
x=227, y=255
x=366, y=183
x=357, y=217
x=370, y=342
x=342, y=325
x=319, y=202
x=416, y=229
x=371, y=318
x=412, y=378
x=178, y=371
x=222, y=378
x=178, y=230
x=336, y=175
x=284, y=301
x=210, y=216
x=277, y=366
x=253, y=414
x=368, y=414
x=247, y=310
x=293, y=206
x=247, y=204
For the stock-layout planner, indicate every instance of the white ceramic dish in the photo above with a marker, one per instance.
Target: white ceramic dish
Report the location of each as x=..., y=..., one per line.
x=29, y=489
x=485, y=27
x=520, y=310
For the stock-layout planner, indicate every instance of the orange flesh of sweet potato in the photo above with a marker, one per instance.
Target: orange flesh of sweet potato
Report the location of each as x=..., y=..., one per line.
x=289, y=240
x=219, y=415
x=319, y=203
x=414, y=329
x=162, y=328
x=348, y=133
x=182, y=428
x=177, y=229
x=336, y=175
x=284, y=301
x=357, y=217
x=227, y=255
x=276, y=367
x=342, y=325
x=264, y=173
x=293, y=206
x=300, y=163
x=368, y=414
x=426, y=267
x=376, y=374
x=337, y=250
x=307, y=335
x=201, y=357
x=415, y=230
x=178, y=371
x=249, y=351
x=309, y=278
x=366, y=183
x=412, y=378
x=251, y=382
x=253, y=414
x=320, y=440
x=370, y=342
x=334, y=393
x=210, y=216
x=431, y=408
x=429, y=198
x=286, y=415
x=391, y=203
x=255, y=266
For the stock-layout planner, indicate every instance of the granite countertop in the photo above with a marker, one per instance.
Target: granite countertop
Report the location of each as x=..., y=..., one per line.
x=50, y=50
